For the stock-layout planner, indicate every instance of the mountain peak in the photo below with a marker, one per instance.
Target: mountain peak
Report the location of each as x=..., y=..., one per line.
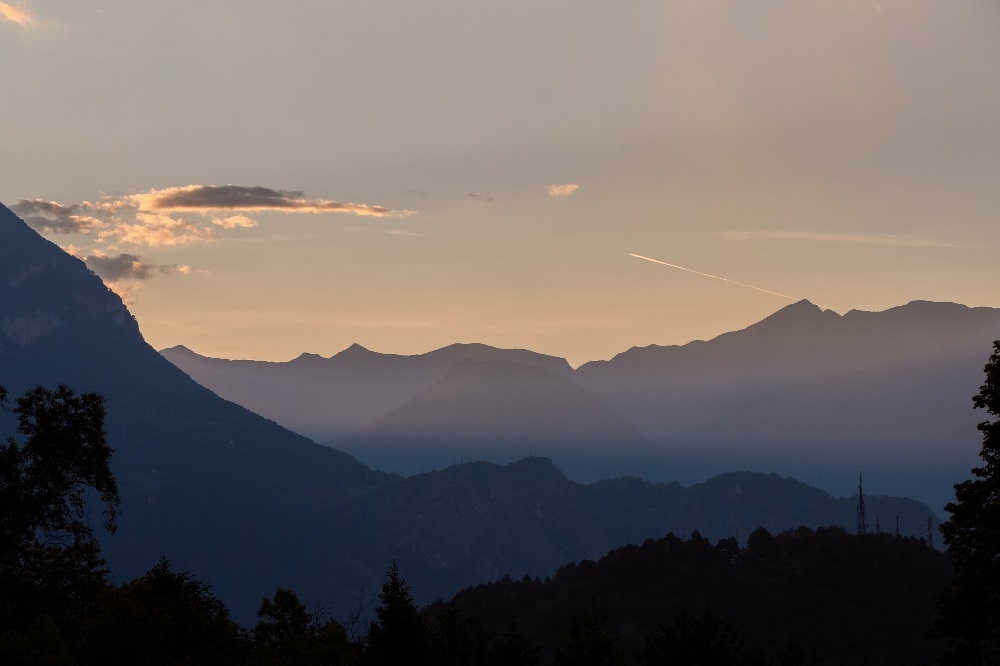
x=793, y=318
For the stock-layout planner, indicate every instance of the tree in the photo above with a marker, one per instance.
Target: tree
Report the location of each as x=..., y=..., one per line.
x=49, y=558
x=165, y=617
x=588, y=642
x=970, y=609
x=399, y=635
x=705, y=639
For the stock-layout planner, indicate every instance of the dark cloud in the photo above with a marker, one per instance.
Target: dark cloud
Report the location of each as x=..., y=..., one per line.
x=212, y=198
x=122, y=267
x=54, y=218
x=478, y=197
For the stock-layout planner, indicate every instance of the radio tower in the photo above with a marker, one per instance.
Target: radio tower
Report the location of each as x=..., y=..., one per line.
x=862, y=514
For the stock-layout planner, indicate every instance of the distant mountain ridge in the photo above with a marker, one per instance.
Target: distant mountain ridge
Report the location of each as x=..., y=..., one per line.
x=806, y=392
x=326, y=398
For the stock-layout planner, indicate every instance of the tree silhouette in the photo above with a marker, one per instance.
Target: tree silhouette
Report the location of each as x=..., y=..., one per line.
x=704, y=639
x=970, y=609
x=399, y=635
x=49, y=559
x=588, y=642
x=164, y=616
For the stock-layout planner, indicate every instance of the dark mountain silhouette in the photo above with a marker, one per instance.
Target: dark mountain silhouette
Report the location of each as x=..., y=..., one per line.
x=500, y=411
x=325, y=398
x=249, y=506
x=213, y=486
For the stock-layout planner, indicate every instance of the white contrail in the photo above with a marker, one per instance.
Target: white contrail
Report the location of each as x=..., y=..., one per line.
x=716, y=277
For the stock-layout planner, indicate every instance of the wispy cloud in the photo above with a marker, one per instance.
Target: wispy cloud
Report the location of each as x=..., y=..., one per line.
x=17, y=14
x=563, y=190
x=898, y=240
x=179, y=215
x=127, y=266
x=125, y=273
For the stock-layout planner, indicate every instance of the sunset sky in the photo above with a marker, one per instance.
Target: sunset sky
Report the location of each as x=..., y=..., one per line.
x=261, y=179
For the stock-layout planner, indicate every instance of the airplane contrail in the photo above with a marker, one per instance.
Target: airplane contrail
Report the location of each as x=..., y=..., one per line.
x=716, y=277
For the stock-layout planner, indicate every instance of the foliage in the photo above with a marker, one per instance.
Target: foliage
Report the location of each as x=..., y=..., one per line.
x=165, y=617
x=49, y=558
x=588, y=642
x=970, y=610
x=689, y=639
x=287, y=633
x=846, y=598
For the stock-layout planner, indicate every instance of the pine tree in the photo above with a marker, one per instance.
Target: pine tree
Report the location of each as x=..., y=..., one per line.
x=400, y=635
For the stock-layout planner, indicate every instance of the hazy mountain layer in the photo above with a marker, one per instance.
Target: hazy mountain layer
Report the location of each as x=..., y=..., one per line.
x=805, y=392
x=499, y=411
x=324, y=398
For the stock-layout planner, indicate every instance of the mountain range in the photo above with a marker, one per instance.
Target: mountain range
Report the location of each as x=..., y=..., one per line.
x=247, y=505
x=805, y=392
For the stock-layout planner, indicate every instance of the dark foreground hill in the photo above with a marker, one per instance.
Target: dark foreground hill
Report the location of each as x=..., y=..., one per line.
x=827, y=595
x=249, y=506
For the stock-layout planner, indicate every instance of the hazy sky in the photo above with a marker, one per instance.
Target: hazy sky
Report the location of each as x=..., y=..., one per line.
x=266, y=178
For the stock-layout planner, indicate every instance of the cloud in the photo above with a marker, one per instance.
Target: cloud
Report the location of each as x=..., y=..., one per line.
x=234, y=221
x=18, y=15
x=154, y=230
x=563, y=190
x=124, y=266
x=897, y=240
x=183, y=269
x=51, y=217
x=209, y=199
x=478, y=197
x=125, y=269
x=125, y=290
x=152, y=218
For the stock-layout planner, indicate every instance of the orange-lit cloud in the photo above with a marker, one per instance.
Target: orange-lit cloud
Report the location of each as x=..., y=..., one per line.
x=151, y=218
x=208, y=199
x=156, y=230
x=234, y=221
x=18, y=15
x=897, y=240
x=563, y=190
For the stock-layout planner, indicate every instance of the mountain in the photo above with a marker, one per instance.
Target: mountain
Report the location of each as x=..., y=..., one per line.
x=805, y=392
x=500, y=411
x=249, y=506
x=817, y=395
x=209, y=484
x=326, y=398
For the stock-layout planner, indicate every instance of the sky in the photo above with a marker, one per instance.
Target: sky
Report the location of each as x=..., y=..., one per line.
x=262, y=179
